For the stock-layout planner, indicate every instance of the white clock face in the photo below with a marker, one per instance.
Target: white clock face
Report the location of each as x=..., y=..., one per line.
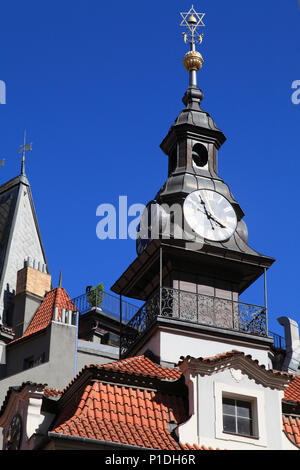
x=210, y=215
x=152, y=223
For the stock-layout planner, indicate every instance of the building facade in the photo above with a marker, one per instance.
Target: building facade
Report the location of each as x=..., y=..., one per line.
x=193, y=368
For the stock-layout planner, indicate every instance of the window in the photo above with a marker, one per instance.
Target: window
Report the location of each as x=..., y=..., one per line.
x=28, y=363
x=240, y=413
x=199, y=155
x=40, y=360
x=237, y=417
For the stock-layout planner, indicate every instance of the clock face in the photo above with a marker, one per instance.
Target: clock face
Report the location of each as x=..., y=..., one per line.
x=141, y=244
x=14, y=434
x=152, y=223
x=210, y=215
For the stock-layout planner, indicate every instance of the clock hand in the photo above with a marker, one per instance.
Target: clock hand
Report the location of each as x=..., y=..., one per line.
x=208, y=215
x=217, y=222
x=213, y=218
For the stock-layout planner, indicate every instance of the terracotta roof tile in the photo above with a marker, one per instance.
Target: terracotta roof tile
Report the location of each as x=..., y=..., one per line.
x=141, y=421
x=141, y=365
x=52, y=392
x=57, y=297
x=291, y=427
x=195, y=447
x=137, y=365
x=128, y=415
x=140, y=417
x=292, y=392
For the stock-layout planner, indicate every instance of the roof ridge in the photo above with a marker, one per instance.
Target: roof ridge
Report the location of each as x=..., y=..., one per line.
x=115, y=367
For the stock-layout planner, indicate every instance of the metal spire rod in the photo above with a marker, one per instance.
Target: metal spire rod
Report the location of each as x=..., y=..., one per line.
x=24, y=148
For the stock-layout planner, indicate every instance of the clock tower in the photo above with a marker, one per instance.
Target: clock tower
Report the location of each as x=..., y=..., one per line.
x=193, y=255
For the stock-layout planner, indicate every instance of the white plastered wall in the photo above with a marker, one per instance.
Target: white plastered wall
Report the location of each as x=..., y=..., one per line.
x=171, y=345
x=205, y=427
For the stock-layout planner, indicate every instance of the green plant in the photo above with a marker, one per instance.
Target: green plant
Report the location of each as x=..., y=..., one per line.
x=95, y=295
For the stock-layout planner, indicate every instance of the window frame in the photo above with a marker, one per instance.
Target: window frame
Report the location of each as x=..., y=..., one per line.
x=252, y=419
x=257, y=400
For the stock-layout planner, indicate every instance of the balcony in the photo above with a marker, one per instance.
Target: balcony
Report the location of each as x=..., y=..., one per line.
x=193, y=308
x=107, y=303
x=182, y=306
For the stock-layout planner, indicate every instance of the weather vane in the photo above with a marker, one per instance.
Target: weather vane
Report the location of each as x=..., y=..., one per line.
x=24, y=148
x=193, y=60
x=192, y=21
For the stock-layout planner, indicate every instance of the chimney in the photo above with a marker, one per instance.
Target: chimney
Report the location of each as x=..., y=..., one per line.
x=32, y=285
x=292, y=341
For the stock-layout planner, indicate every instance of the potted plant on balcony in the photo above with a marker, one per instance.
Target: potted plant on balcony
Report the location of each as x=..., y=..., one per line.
x=94, y=295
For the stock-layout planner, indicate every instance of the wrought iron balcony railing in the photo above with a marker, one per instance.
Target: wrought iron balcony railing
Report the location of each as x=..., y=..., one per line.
x=194, y=308
x=107, y=303
x=279, y=341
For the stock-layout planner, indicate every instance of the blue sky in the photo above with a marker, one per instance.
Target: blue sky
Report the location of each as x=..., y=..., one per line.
x=97, y=86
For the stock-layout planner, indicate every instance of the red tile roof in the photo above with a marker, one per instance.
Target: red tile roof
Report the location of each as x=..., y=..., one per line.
x=57, y=297
x=132, y=415
x=291, y=427
x=141, y=365
x=126, y=415
x=52, y=393
x=292, y=392
x=195, y=447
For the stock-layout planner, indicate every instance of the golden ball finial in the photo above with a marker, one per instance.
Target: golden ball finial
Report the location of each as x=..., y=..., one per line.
x=193, y=60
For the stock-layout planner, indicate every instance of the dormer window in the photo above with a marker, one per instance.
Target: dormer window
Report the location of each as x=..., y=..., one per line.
x=240, y=413
x=237, y=417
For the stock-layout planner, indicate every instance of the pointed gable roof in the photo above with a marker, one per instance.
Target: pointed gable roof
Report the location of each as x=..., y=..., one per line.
x=8, y=200
x=56, y=298
x=20, y=236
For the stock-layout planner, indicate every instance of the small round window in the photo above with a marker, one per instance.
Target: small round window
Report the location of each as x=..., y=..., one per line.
x=199, y=155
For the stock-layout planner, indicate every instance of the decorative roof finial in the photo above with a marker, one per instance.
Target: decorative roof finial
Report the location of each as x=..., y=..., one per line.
x=193, y=60
x=24, y=148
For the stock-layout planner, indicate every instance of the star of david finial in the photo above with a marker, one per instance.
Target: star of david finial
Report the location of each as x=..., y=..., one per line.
x=192, y=21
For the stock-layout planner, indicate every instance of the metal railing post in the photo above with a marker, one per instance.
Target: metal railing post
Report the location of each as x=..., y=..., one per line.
x=266, y=299
x=160, y=280
x=121, y=319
